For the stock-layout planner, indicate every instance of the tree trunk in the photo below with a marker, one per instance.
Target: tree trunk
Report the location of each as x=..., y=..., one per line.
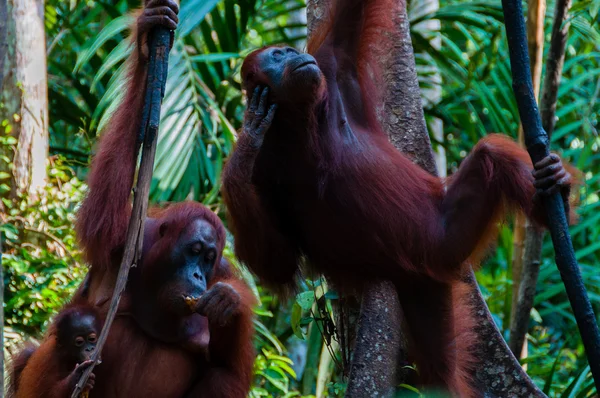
x=30, y=76
x=9, y=92
x=3, y=40
x=431, y=96
x=496, y=370
x=379, y=333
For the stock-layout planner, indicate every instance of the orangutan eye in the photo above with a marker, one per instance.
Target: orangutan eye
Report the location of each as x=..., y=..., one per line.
x=92, y=338
x=210, y=256
x=79, y=341
x=197, y=248
x=277, y=55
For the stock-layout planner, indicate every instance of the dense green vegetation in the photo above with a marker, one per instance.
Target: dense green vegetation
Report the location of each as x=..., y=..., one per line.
x=203, y=107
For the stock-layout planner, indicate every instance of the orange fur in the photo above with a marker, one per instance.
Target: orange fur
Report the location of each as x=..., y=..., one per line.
x=17, y=364
x=135, y=364
x=465, y=340
x=43, y=372
x=325, y=184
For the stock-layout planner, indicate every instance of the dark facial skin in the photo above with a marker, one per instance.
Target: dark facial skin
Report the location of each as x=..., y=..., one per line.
x=162, y=284
x=79, y=338
x=195, y=254
x=286, y=70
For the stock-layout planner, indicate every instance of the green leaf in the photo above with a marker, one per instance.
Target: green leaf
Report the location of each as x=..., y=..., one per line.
x=305, y=300
x=192, y=14
x=295, y=320
x=113, y=28
x=216, y=57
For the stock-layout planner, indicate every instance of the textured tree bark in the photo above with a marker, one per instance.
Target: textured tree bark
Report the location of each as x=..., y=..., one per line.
x=534, y=236
x=403, y=120
x=30, y=75
x=432, y=95
x=380, y=344
x=10, y=95
x=402, y=115
x=497, y=372
x=3, y=39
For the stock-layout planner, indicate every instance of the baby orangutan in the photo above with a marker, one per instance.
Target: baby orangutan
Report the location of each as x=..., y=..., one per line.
x=53, y=370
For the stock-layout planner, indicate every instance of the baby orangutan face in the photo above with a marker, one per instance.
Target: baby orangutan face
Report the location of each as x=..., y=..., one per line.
x=77, y=334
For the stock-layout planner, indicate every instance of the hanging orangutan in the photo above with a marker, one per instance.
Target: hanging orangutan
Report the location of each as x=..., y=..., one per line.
x=313, y=175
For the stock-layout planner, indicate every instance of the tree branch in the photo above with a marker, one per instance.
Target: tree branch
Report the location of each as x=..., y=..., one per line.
x=536, y=11
x=157, y=75
x=535, y=236
x=537, y=142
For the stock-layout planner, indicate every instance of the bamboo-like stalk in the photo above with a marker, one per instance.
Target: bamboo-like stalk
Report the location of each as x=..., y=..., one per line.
x=314, y=346
x=325, y=369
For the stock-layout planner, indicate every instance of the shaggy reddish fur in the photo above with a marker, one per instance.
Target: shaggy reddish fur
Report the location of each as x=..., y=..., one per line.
x=327, y=184
x=43, y=372
x=17, y=365
x=133, y=363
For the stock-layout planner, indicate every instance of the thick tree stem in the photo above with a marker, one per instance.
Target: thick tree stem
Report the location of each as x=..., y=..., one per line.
x=535, y=236
x=538, y=146
x=535, y=41
x=30, y=74
x=496, y=372
x=379, y=343
x=3, y=41
x=554, y=64
x=526, y=292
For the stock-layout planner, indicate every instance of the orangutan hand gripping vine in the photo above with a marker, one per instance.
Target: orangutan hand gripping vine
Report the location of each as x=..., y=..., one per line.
x=315, y=176
x=184, y=326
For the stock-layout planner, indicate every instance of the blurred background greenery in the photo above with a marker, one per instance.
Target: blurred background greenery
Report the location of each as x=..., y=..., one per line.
x=464, y=71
